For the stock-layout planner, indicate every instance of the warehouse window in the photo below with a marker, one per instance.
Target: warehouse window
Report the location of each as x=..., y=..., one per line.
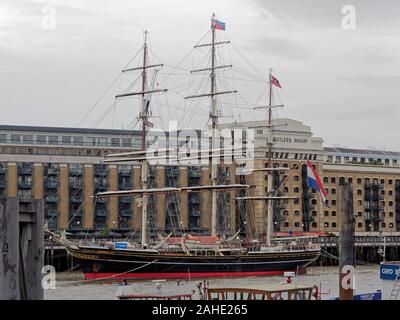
x=314, y=225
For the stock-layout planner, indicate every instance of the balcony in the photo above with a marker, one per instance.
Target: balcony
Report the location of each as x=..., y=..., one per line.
x=51, y=213
x=51, y=184
x=75, y=171
x=194, y=200
x=194, y=172
x=73, y=213
x=51, y=199
x=100, y=188
x=126, y=213
x=101, y=213
x=374, y=197
x=125, y=172
x=25, y=198
x=52, y=171
x=100, y=171
x=125, y=185
x=373, y=207
x=25, y=184
x=172, y=172
x=25, y=170
x=124, y=200
x=194, y=213
x=76, y=184
x=100, y=200
x=377, y=186
x=76, y=199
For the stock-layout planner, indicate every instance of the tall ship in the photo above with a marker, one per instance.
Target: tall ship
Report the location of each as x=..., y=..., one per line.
x=186, y=255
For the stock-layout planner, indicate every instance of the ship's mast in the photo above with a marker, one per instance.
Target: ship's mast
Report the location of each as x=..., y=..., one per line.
x=143, y=116
x=270, y=191
x=144, y=119
x=213, y=116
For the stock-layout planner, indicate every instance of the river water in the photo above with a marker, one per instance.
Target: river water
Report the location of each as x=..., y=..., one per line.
x=70, y=286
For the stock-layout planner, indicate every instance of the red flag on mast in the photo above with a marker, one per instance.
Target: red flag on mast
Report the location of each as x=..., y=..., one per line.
x=275, y=82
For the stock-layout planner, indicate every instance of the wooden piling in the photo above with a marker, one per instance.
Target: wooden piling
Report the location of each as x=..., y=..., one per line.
x=21, y=250
x=9, y=250
x=346, y=242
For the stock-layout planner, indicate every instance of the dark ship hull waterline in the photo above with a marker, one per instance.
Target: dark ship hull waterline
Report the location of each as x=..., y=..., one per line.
x=97, y=263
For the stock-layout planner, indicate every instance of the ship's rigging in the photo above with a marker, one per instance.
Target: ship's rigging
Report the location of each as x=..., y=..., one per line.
x=145, y=94
x=199, y=256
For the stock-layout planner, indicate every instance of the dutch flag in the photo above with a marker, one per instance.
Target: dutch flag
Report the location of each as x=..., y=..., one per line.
x=314, y=182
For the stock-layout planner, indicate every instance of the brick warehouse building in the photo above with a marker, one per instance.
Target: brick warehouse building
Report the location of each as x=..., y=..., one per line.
x=63, y=166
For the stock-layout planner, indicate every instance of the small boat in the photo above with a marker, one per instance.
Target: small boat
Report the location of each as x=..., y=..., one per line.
x=285, y=291
x=157, y=290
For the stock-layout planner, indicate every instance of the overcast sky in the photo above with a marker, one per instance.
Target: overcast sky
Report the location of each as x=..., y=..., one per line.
x=344, y=83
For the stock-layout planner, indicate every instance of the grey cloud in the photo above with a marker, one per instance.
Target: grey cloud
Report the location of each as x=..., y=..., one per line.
x=328, y=13
x=287, y=48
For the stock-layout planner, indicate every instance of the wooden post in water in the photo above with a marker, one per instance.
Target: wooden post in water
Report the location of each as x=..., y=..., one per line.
x=346, y=242
x=9, y=250
x=21, y=250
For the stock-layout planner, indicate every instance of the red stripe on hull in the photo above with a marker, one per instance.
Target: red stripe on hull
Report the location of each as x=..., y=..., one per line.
x=180, y=275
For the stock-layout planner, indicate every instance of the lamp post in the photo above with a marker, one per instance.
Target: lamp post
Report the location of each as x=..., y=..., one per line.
x=380, y=251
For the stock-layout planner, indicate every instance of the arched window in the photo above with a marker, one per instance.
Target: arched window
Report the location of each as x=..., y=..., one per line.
x=358, y=180
x=360, y=225
x=285, y=213
x=314, y=213
x=313, y=225
x=333, y=224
